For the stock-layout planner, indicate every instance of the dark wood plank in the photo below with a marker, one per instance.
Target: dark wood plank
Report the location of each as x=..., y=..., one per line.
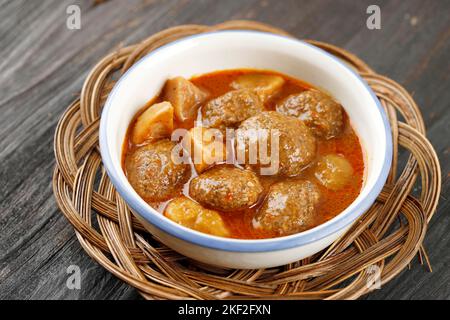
x=44, y=64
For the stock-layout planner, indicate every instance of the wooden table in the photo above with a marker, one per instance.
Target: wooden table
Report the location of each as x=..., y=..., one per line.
x=43, y=65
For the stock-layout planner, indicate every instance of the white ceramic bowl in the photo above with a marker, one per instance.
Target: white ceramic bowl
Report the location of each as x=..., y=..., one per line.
x=246, y=49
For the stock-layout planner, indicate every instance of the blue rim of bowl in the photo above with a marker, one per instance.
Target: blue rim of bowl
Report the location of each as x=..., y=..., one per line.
x=338, y=223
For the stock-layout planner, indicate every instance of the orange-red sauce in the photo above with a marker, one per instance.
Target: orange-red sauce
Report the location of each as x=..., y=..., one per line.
x=332, y=202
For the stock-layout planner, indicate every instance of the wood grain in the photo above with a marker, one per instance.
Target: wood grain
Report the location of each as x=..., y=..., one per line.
x=42, y=68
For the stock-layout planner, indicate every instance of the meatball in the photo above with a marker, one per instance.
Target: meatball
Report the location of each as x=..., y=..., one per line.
x=226, y=188
x=289, y=207
x=264, y=85
x=333, y=171
x=231, y=109
x=320, y=112
x=153, y=173
x=192, y=215
x=296, y=144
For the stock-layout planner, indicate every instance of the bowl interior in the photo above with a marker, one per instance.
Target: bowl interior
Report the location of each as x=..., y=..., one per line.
x=245, y=49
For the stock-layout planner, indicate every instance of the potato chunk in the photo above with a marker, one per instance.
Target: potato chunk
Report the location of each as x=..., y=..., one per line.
x=192, y=215
x=185, y=98
x=154, y=123
x=206, y=147
x=333, y=171
x=264, y=85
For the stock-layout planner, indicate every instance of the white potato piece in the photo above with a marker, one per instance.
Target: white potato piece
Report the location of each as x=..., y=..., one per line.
x=154, y=123
x=264, y=85
x=206, y=147
x=185, y=98
x=333, y=171
x=192, y=215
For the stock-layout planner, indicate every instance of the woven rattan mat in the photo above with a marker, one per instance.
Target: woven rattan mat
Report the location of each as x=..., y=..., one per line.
x=383, y=241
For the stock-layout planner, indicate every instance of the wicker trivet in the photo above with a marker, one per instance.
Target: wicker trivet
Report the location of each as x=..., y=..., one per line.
x=385, y=239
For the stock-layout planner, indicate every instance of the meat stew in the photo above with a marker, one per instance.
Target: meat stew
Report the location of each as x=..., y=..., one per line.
x=319, y=159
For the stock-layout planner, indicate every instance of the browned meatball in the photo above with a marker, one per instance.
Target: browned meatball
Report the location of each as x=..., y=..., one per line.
x=153, y=173
x=319, y=112
x=226, y=188
x=231, y=109
x=288, y=208
x=296, y=144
